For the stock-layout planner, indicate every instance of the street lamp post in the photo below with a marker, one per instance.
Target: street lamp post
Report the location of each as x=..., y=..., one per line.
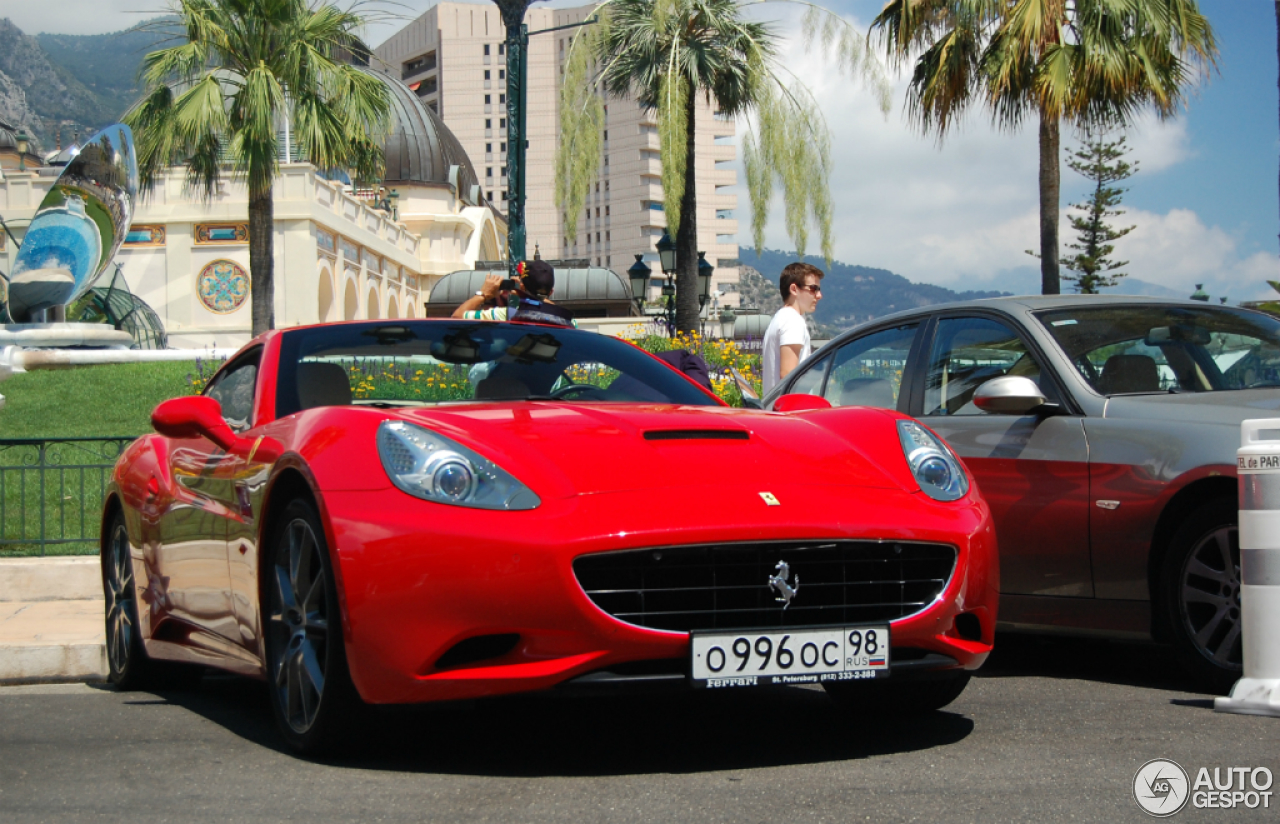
x=667, y=256
x=705, y=271
x=517, y=47
x=22, y=139
x=639, y=274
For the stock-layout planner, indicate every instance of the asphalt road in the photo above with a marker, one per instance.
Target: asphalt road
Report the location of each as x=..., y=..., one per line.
x=1053, y=730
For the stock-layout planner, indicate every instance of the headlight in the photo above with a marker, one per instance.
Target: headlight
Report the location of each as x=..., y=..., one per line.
x=936, y=470
x=430, y=466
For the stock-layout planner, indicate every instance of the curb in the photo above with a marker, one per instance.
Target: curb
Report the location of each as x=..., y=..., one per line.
x=51, y=620
x=53, y=664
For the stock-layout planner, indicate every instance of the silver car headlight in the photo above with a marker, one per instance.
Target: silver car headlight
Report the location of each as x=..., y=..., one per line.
x=430, y=466
x=934, y=466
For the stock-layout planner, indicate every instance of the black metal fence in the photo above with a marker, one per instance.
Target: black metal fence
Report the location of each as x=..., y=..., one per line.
x=51, y=492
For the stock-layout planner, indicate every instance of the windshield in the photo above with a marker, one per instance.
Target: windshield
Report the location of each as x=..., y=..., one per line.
x=1146, y=348
x=415, y=363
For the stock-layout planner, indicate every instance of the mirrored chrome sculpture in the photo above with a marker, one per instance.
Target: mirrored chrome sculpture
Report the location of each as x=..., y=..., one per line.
x=79, y=226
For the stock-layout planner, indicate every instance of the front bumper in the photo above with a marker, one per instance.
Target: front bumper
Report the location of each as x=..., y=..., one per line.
x=417, y=579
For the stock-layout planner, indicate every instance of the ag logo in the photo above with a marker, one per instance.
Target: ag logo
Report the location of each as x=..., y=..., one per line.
x=1161, y=787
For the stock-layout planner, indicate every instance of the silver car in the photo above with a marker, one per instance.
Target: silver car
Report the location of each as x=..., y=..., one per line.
x=1102, y=431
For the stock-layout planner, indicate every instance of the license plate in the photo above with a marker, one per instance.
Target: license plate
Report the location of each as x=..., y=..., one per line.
x=799, y=656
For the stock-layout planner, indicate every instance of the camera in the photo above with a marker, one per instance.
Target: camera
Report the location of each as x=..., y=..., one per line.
x=509, y=285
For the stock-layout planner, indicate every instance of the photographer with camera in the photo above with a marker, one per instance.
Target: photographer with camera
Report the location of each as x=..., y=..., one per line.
x=526, y=299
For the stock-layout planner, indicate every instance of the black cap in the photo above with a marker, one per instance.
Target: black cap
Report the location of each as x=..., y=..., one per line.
x=538, y=276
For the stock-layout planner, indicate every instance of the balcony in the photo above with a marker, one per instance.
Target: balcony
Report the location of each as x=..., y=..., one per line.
x=418, y=65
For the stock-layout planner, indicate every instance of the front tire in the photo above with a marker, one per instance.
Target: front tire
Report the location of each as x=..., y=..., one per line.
x=128, y=665
x=1200, y=594
x=897, y=699
x=312, y=697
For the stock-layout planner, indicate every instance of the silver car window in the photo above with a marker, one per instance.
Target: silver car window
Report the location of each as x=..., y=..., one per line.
x=966, y=353
x=1171, y=348
x=868, y=371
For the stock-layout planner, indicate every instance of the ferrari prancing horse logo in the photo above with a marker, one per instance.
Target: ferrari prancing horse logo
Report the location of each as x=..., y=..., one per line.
x=768, y=498
x=779, y=583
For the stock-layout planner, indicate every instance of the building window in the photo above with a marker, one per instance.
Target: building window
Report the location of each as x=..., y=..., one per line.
x=597, y=211
x=606, y=185
x=486, y=74
x=488, y=147
x=504, y=194
x=488, y=172
x=486, y=48
x=562, y=44
x=502, y=48
x=606, y=160
x=606, y=134
x=606, y=237
x=606, y=211
x=488, y=123
x=502, y=99
x=608, y=260
x=502, y=74
x=502, y=147
x=504, y=171
x=502, y=123
x=489, y=197
x=597, y=237
x=486, y=99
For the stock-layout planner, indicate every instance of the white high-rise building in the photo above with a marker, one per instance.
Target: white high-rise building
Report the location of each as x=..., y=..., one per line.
x=453, y=57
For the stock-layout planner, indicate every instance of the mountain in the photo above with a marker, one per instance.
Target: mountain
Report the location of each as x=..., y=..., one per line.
x=70, y=85
x=108, y=64
x=850, y=294
x=38, y=94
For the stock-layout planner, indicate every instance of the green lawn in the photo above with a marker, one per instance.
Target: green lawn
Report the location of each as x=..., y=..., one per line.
x=91, y=401
x=68, y=478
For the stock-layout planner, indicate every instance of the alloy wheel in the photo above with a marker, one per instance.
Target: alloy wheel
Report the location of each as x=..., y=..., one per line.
x=1210, y=596
x=120, y=606
x=299, y=624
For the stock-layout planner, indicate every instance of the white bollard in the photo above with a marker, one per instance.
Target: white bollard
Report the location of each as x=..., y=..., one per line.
x=1258, y=468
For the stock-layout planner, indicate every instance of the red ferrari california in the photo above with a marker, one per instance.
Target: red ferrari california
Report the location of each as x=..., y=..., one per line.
x=416, y=511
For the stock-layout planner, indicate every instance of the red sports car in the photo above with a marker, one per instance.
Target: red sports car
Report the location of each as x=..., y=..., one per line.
x=414, y=511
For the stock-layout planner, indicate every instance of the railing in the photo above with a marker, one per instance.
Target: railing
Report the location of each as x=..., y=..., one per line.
x=51, y=493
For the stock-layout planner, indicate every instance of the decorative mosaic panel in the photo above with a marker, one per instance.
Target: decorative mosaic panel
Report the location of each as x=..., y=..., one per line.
x=371, y=261
x=219, y=233
x=349, y=250
x=223, y=286
x=144, y=236
x=325, y=242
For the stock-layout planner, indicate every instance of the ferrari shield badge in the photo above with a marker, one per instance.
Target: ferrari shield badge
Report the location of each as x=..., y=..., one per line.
x=770, y=499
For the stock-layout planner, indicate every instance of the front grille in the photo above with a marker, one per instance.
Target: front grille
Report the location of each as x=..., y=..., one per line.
x=726, y=586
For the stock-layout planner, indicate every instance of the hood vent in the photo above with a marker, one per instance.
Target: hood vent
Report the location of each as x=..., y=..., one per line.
x=697, y=435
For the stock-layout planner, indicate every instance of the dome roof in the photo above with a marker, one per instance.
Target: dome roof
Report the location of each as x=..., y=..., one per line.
x=9, y=139
x=420, y=149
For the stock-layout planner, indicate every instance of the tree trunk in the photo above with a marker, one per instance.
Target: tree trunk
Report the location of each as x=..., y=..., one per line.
x=687, y=234
x=262, y=237
x=1050, y=184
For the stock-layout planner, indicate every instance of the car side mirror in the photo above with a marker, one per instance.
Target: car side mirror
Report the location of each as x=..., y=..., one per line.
x=201, y=416
x=800, y=403
x=1009, y=395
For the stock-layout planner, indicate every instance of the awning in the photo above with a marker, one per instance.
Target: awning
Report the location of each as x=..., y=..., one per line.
x=413, y=87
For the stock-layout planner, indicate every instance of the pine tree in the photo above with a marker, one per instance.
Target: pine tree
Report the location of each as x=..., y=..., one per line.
x=1102, y=162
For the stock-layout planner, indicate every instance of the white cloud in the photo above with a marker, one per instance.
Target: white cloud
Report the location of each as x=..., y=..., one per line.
x=961, y=214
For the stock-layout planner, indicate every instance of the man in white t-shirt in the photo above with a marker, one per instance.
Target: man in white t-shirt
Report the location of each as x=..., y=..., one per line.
x=786, y=341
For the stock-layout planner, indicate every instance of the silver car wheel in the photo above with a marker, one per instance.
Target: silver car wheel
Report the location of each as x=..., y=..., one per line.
x=299, y=625
x=1209, y=603
x=119, y=594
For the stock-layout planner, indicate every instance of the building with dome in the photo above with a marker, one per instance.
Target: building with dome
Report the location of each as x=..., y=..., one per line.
x=339, y=254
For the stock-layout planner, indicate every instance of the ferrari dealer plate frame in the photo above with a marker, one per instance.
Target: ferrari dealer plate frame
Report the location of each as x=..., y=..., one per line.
x=808, y=655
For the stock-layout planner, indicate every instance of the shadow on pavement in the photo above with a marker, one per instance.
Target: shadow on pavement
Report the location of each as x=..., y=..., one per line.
x=551, y=735
x=1129, y=663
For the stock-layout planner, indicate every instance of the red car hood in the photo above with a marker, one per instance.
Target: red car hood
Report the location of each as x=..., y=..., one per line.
x=625, y=447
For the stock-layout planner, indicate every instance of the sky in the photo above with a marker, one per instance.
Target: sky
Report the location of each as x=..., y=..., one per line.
x=960, y=214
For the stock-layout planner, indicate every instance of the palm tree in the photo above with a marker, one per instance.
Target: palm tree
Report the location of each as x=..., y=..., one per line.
x=667, y=53
x=1090, y=62
x=221, y=96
